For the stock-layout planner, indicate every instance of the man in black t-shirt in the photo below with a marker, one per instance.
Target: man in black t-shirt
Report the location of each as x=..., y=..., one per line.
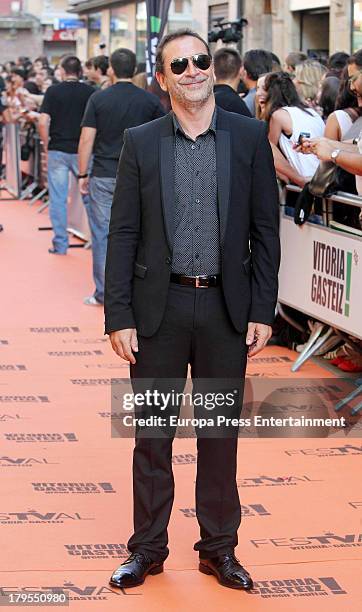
x=227, y=66
x=108, y=114
x=59, y=128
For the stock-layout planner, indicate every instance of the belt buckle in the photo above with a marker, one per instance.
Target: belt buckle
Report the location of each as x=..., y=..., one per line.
x=198, y=282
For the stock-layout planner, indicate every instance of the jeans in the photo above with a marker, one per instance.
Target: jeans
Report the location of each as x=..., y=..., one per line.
x=59, y=166
x=99, y=211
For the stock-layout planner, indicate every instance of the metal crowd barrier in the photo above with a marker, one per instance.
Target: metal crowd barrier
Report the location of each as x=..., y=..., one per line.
x=341, y=197
x=320, y=274
x=22, y=178
x=11, y=153
x=27, y=180
x=31, y=168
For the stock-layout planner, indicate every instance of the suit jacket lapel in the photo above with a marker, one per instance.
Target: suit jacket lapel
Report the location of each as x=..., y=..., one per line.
x=167, y=172
x=222, y=170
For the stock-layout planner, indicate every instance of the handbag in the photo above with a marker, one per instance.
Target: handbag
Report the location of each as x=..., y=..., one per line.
x=328, y=178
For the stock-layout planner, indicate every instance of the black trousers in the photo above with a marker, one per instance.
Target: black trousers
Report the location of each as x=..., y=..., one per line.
x=195, y=330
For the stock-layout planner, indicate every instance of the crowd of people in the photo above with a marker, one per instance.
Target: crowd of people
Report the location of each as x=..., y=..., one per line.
x=312, y=111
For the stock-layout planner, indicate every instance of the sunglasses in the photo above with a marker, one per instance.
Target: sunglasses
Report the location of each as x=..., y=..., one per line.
x=202, y=61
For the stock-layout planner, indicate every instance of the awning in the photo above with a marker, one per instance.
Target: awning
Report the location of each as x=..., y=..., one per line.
x=87, y=6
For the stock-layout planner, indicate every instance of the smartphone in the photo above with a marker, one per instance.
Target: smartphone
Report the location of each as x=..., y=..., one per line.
x=303, y=135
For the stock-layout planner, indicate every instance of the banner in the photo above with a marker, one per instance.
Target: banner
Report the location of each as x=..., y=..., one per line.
x=320, y=274
x=59, y=35
x=157, y=12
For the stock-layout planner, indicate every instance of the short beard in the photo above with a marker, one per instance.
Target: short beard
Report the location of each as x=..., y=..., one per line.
x=179, y=95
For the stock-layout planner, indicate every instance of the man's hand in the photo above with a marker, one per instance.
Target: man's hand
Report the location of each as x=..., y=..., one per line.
x=83, y=185
x=257, y=336
x=124, y=342
x=322, y=148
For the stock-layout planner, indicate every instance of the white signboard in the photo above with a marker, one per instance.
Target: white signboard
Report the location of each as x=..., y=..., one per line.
x=320, y=274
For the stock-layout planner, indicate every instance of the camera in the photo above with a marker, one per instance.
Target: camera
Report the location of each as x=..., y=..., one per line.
x=303, y=135
x=227, y=31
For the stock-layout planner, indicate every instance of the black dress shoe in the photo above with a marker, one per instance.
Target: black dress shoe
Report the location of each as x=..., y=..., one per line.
x=55, y=252
x=228, y=571
x=134, y=571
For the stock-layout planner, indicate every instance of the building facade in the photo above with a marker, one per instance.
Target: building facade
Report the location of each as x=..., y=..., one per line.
x=122, y=24
x=19, y=32
x=55, y=27
x=317, y=27
x=35, y=27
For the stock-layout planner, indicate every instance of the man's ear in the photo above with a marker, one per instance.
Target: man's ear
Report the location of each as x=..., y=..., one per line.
x=160, y=77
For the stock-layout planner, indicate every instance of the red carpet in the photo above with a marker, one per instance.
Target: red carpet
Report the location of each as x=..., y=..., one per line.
x=66, y=511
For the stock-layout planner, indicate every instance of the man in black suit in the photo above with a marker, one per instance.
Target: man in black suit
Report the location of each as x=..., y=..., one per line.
x=191, y=278
x=227, y=67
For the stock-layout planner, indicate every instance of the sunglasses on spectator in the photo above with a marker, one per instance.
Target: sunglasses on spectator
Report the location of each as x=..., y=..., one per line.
x=202, y=61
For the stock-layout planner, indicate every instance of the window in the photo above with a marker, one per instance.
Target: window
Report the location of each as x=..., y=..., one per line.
x=178, y=6
x=218, y=11
x=94, y=33
x=357, y=26
x=141, y=31
x=180, y=15
x=122, y=27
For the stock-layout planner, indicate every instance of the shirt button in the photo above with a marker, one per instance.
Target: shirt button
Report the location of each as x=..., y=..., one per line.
x=197, y=255
x=197, y=201
x=168, y=260
x=192, y=147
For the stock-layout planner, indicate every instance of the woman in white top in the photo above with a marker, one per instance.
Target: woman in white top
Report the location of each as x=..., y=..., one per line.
x=288, y=117
x=348, y=109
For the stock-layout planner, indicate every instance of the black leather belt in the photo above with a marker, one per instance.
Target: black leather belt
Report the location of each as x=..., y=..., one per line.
x=202, y=281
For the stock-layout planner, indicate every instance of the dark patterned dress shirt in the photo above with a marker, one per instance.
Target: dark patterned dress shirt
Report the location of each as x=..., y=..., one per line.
x=196, y=220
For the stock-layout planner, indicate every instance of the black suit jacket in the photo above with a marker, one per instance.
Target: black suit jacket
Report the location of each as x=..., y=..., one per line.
x=140, y=240
x=229, y=100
